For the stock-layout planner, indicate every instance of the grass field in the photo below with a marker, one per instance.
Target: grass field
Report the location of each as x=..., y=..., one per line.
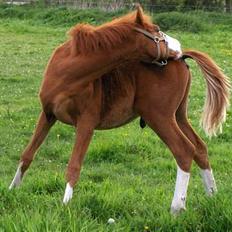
x=128, y=174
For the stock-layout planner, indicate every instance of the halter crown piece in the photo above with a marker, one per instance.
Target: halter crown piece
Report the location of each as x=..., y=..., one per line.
x=157, y=40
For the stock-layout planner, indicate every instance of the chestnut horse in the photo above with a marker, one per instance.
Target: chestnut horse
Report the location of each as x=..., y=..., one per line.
x=116, y=92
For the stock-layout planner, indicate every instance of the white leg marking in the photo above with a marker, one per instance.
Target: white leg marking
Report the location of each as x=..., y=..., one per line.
x=68, y=193
x=209, y=181
x=174, y=45
x=180, y=194
x=17, y=178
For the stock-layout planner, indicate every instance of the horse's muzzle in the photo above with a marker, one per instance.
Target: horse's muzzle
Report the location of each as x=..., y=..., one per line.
x=174, y=47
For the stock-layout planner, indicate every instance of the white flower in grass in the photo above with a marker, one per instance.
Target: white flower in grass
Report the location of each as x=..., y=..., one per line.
x=111, y=221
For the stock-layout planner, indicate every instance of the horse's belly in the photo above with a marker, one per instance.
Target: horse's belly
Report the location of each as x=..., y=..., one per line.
x=117, y=117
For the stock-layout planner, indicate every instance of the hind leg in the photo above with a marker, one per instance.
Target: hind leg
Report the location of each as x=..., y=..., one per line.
x=182, y=149
x=201, y=154
x=41, y=131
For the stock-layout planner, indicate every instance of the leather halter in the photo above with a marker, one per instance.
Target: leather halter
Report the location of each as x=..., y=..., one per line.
x=157, y=40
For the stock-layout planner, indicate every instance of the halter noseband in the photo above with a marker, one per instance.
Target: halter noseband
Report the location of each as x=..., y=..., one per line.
x=157, y=40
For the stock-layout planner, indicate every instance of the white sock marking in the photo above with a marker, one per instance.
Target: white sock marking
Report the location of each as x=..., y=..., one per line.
x=180, y=194
x=209, y=181
x=17, y=178
x=174, y=45
x=68, y=193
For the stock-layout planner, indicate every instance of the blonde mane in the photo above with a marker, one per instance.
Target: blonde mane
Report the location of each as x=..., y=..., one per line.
x=86, y=38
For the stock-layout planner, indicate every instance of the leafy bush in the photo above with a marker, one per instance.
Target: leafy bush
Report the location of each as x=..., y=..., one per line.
x=223, y=20
x=56, y=15
x=63, y=16
x=180, y=21
x=17, y=12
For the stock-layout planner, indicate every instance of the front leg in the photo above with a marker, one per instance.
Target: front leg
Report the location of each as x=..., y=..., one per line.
x=40, y=133
x=83, y=137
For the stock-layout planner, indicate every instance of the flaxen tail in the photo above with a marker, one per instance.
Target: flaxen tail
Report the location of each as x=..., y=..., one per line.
x=218, y=90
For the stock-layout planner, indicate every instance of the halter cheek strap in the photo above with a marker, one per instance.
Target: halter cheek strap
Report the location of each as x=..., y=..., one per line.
x=157, y=40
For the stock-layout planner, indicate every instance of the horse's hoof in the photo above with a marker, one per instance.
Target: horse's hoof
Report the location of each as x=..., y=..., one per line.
x=17, y=178
x=68, y=194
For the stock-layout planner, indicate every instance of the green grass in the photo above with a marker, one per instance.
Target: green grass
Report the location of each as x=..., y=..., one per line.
x=128, y=173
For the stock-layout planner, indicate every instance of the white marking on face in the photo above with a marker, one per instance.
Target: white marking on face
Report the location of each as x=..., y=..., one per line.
x=180, y=194
x=68, y=194
x=17, y=178
x=174, y=44
x=209, y=181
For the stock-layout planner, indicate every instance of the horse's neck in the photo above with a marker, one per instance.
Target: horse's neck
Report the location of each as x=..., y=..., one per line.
x=81, y=70
x=88, y=68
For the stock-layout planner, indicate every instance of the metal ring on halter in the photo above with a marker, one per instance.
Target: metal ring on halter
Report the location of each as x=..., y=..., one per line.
x=164, y=62
x=156, y=39
x=160, y=63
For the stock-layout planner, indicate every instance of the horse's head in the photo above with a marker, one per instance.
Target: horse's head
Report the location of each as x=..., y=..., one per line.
x=153, y=43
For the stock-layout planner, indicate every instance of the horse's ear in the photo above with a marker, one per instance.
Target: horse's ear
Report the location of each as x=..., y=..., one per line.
x=139, y=14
